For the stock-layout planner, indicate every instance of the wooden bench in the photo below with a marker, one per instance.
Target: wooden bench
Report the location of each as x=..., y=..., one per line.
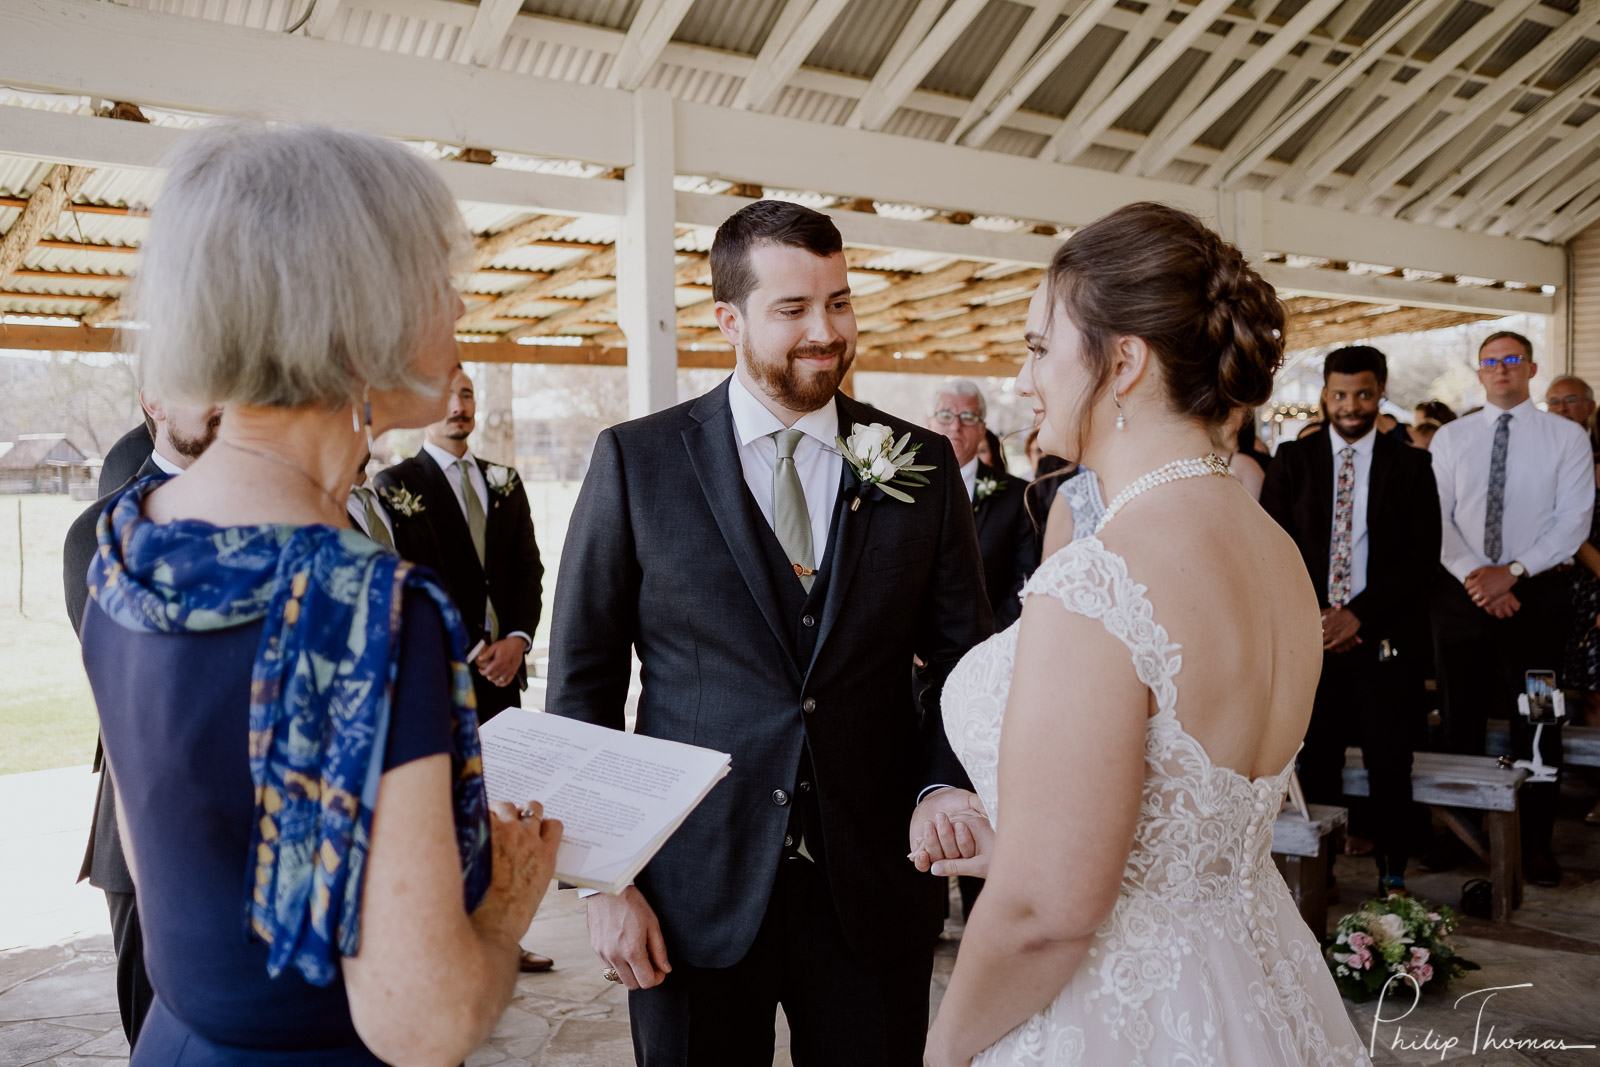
x=1580, y=745
x=1449, y=784
x=1303, y=849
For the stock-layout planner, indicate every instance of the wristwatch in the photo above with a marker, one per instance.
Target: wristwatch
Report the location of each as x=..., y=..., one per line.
x=1517, y=570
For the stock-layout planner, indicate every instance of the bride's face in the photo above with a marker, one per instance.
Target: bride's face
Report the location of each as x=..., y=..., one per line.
x=1055, y=376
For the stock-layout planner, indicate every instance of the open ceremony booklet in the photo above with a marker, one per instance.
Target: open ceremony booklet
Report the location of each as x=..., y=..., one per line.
x=619, y=796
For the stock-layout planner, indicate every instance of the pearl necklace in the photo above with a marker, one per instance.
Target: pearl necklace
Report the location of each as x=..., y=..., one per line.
x=1177, y=470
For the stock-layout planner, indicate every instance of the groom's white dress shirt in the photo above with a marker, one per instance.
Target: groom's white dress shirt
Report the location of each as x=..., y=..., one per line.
x=816, y=458
x=452, y=474
x=1549, y=488
x=165, y=465
x=1358, y=507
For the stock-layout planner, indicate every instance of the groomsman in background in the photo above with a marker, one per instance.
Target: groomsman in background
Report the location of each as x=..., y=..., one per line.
x=1364, y=511
x=469, y=521
x=488, y=558
x=367, y=512
x=180, y=433
x=1006, y=537
x=1516, y=490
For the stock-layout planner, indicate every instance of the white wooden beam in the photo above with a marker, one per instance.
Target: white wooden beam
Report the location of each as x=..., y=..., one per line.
x=321, y=20
x=60, y=185
x=1485, y=199
x=1038, y=67
x=1116, y=67
x=1352, y=113
x=653, y=25
x=1500, y=157
x=1377, y=289
x=1310, y=169
x=1355, y=64
x=1567, y=225
x=488, y=30
x=1545, y=197
x=645, y=259
x=1023, y=45
x=191, y=64
x=799, y=28
x=1141, y=77
x=886, y=93
x=1380, y=173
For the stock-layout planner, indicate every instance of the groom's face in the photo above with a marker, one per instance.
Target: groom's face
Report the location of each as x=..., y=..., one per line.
x=796, y=334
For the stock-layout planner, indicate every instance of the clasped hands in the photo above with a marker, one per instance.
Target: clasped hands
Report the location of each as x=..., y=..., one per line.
x=950, y=834
x=1490, y=589
x=499, y=662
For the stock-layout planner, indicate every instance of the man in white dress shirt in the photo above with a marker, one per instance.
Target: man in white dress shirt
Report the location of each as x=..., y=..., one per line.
x=1516, y=492
x=366, y=509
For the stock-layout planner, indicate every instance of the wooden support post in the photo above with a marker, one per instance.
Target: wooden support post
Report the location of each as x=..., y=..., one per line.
x=645, y=239
x=1505, y=869
x=496, y=426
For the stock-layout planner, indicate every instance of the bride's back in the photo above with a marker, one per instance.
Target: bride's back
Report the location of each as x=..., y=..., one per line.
x=1229, y=587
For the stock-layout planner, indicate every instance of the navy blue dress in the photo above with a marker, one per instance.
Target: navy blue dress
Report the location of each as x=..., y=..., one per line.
x=174, y=711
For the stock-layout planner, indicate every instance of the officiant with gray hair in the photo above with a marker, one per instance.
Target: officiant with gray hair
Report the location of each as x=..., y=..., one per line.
x=1007, y=538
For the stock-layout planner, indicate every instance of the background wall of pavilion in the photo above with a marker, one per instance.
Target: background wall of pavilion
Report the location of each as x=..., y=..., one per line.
x=1585, y=298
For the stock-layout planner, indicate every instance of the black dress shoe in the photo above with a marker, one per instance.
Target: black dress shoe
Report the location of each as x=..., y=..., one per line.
x=1542, y=869
x=533, y=963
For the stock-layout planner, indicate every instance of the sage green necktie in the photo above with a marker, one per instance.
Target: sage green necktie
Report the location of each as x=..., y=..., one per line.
x=476, y=526
x=375, y=527
x=790, y=520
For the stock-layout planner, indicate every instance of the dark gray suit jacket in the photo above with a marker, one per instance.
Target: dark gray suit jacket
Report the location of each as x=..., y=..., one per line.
x=664, y=556
x=103, y=862
x=1008, y=542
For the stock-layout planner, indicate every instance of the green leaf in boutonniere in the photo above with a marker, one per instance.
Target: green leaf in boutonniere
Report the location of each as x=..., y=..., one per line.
x=984, y=489
x=882, y=462
x=402, y=501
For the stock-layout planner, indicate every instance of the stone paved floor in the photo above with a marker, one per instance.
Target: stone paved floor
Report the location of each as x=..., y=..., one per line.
x=58, y=1002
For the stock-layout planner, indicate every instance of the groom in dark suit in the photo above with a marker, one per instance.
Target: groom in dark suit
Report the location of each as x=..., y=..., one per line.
x=775, y=603
x=478, y=538
x=1364, y=511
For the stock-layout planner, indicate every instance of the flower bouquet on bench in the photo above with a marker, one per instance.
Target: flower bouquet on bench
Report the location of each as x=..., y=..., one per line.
x=1399, y=939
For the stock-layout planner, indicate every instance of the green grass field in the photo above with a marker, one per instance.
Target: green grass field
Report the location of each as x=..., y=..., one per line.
x=46, y=712
x=47, y=716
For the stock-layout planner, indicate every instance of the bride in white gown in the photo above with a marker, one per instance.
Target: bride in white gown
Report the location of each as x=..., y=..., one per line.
x=1132, y=736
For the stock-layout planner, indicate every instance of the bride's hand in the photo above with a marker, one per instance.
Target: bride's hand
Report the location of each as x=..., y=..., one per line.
x=950, y=834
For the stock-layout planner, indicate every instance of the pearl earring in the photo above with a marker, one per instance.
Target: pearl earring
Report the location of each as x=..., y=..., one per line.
x=1122, y=421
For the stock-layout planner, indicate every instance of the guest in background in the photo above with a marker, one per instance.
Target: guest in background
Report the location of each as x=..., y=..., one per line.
x=992, y=452
x=1572, y=398
x=1246, y=468
x=1516, y=492
x=1433, y=410
x=301, y=278
x=488, y=556
x=1364, y=512
x=1421, y=435
x=1031, y=449
x=366, y=509
x=181, y=433
x=1080, y=490
x=1312, y=426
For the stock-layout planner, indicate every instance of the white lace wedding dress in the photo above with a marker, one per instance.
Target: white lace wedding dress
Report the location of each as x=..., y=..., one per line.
x=1203, y=959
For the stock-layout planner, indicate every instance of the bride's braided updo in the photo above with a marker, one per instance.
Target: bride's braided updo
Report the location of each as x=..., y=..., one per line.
x=1158, y=273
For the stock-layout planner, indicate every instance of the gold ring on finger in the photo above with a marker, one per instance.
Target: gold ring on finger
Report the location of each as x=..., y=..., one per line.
x=611, y=975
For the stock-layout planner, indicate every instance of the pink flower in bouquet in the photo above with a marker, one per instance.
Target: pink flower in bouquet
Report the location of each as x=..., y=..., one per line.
x=1435, y=916
x=1419, y=956
x=1359, y=941
x=1423, y=974
x=1360, y=960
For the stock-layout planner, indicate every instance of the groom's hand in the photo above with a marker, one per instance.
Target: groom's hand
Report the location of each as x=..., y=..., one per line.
x=950, y=834
x=624, y=931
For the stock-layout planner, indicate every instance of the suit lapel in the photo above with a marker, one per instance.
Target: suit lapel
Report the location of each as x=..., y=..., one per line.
x=715, y=458
x=1383, y=457
x=849, y=536
x=982, y=509
x=1322, y=506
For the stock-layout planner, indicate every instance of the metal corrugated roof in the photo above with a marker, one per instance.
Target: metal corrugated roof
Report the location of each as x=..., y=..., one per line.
x=1058, y=92
x=730, y=25
x=861, y=36
x=963, y=69
x=613, y=14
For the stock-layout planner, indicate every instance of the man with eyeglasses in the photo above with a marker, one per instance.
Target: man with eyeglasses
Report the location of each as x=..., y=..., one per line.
x=1571, y=398
x=1516, y=493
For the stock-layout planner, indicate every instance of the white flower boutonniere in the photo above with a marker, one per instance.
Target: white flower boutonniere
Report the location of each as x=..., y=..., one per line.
x=501, y=479
x=984, y=489
x=882, y=463
x=402, y=501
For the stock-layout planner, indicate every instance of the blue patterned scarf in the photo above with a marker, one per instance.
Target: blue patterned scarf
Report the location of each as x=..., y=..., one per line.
x=320, y=690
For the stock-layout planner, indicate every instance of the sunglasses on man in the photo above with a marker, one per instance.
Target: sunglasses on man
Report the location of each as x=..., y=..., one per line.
x=1504, y=361
x=946, y=417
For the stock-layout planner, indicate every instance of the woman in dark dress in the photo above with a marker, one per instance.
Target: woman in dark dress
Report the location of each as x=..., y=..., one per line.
x=268, y=680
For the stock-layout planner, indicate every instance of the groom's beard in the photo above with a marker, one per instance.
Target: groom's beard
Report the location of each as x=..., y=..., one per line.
x=795, y=386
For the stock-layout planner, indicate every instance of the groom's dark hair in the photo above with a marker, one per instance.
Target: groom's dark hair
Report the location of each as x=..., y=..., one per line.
x=765, y=221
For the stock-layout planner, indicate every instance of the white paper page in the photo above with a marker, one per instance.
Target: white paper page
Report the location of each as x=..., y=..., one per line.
x=615, y=793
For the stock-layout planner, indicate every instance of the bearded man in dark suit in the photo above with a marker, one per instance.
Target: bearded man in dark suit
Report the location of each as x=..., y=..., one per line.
x=179, y=433
x=487, y=556
x=775, y=598
x=1364, y=511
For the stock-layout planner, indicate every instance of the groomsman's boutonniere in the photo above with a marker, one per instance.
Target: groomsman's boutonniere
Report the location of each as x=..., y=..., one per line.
x=984, y=489
x=501, y=479
x=881, y=462
x=402, y=501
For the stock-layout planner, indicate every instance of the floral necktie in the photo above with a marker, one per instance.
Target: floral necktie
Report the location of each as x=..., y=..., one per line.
x=1495, y=511
x=1343, y=512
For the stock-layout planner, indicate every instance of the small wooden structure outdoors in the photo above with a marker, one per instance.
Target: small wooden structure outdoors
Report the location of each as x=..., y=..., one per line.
x=41, y=463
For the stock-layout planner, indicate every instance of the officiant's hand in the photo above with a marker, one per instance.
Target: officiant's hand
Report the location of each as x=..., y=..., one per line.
x=624, y=931
x=523, y=850
x=950, y=834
